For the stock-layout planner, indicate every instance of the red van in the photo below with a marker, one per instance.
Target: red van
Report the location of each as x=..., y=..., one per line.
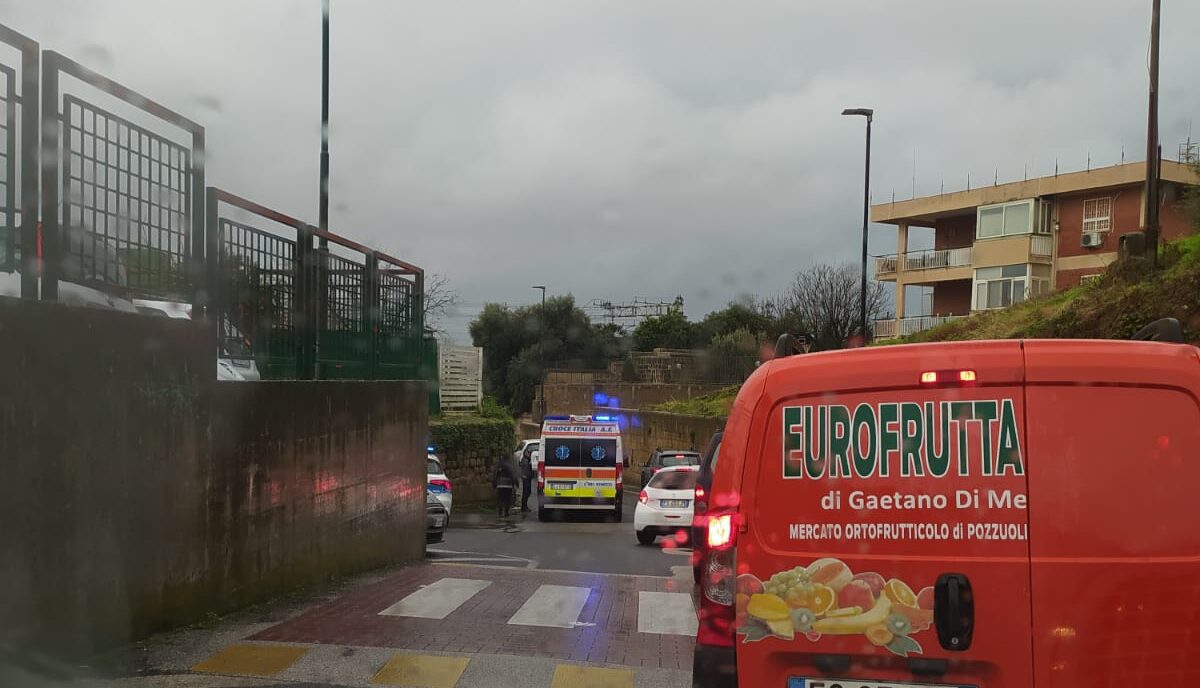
x=1000, y=513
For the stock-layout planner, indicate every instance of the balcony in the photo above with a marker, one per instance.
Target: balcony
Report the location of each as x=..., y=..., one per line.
x=891, y=328
x=938, y=265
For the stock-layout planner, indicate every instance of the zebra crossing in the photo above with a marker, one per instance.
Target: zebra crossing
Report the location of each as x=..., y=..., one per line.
x=551, y=606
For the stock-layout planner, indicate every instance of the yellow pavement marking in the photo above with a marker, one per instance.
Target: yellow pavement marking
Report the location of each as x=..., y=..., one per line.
x=427, y=671
x=571, y=676
x=252, y=660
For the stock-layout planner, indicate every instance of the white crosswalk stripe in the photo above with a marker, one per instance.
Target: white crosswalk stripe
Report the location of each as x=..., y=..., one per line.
x=437, y=600
x=667, y=613
x=552, y=606
x=557, y=606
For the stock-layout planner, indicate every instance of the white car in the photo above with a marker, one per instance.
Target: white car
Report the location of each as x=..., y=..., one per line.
x=439, y=484
x=665, y=505
x=525, y=445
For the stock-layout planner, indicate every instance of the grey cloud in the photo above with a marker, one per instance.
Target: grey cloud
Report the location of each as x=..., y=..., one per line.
x=697, y=147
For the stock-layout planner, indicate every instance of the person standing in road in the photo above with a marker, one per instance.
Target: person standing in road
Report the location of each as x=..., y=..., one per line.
x=504, y=480
x=526, y=479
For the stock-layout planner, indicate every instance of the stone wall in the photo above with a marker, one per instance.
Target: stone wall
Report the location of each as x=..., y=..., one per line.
x=140, y=493
x=650, y=430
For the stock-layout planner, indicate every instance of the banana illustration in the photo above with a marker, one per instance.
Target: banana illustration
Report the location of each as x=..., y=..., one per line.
x=859, y=623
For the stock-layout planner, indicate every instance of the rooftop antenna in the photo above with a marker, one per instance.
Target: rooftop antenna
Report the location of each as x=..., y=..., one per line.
x=893, y=195
x=1122, y=153
x=996, y=177
x=942, y=189
x=914, y=174
x=1056, y=167
x=1026, y=172
x=1089, y=165
x=968, y=181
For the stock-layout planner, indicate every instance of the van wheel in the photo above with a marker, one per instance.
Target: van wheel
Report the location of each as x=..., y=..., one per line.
x=646, y=537
x=543, y=516
x=620, y=511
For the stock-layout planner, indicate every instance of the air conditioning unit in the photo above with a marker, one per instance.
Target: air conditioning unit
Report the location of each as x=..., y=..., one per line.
x=1091, y=239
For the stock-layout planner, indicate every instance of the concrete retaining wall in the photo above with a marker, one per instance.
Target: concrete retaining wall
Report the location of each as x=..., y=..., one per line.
x=580, y=398
x=139, y=493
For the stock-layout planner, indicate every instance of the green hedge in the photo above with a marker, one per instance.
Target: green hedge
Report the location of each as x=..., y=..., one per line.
x=472, y=435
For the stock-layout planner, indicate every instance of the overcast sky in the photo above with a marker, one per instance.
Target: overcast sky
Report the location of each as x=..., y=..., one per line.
x=646, y=148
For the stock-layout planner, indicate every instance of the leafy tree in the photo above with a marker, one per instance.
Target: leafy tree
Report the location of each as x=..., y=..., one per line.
x=747, y=317
x=513, y=362
x=670, y=331
x=1191, y=199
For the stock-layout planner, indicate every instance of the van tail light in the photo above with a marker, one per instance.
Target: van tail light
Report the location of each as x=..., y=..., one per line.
x=438, y=482
x=720, y=531
x=541, y=473
x=717, y=581
x=643, y=497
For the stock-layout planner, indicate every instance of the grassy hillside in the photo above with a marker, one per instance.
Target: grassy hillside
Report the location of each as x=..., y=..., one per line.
x=715, y=404
x=1125, y=298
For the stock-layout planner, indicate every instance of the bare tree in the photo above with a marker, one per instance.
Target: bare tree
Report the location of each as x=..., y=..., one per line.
x=824, y=301
x=439, y=299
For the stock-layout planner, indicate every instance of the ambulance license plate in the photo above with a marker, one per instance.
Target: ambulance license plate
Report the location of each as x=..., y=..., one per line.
x=562, y=486
x=798, y=682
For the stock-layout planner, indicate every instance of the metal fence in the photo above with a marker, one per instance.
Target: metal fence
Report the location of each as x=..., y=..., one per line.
x=123, y=210
x=19, y=137
x=122, y=204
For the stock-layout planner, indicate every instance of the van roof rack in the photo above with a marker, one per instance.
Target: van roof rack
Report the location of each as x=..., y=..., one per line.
x=1161, y=330
x=790, y=345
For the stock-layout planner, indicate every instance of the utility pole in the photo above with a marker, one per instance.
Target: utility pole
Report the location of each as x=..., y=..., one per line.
x=1152, y=149
x=541, y=348
x=323, y=212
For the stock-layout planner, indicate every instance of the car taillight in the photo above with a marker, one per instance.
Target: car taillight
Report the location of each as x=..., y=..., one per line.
x=720, y=531
x=717, y=582
x=700, y=505
x=438, y=482
x=643, y=498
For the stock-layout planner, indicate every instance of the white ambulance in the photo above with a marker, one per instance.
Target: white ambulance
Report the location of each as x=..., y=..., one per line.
x=580, y=465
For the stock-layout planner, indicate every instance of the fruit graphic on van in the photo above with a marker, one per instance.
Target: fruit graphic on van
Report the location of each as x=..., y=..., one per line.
x=827, y=598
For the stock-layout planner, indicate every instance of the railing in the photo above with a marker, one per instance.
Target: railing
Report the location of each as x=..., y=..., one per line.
x=925, y=260
x=1041, y=245
x=120, y=192
x=944, y=258
x=891, y=328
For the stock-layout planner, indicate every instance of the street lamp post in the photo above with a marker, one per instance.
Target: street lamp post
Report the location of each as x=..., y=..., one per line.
x=541, y=347
x=862, y=295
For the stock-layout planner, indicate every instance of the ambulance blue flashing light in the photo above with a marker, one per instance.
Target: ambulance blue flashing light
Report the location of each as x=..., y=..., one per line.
x=556, y=418
x=603, y=419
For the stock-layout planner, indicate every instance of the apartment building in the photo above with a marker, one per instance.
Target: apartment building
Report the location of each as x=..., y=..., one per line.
x=998, y=245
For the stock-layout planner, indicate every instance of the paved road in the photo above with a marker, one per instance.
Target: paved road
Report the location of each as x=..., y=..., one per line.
x=578, y=542
x=573, y=604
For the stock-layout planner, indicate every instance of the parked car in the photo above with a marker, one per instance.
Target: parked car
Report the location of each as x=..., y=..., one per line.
x=664, y=458
x=526, y=447
x=437, y=482
x=665, y=505
x=436, y=518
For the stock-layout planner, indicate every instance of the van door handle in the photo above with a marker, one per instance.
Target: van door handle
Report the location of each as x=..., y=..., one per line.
x=954, y=611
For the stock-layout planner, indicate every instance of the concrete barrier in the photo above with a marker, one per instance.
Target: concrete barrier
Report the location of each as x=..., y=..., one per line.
x=141, y=494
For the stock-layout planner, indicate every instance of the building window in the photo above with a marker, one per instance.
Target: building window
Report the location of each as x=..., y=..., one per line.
x=1007, y=219
x=1097, y=215
x=1088, y=279
x=1001, y=287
